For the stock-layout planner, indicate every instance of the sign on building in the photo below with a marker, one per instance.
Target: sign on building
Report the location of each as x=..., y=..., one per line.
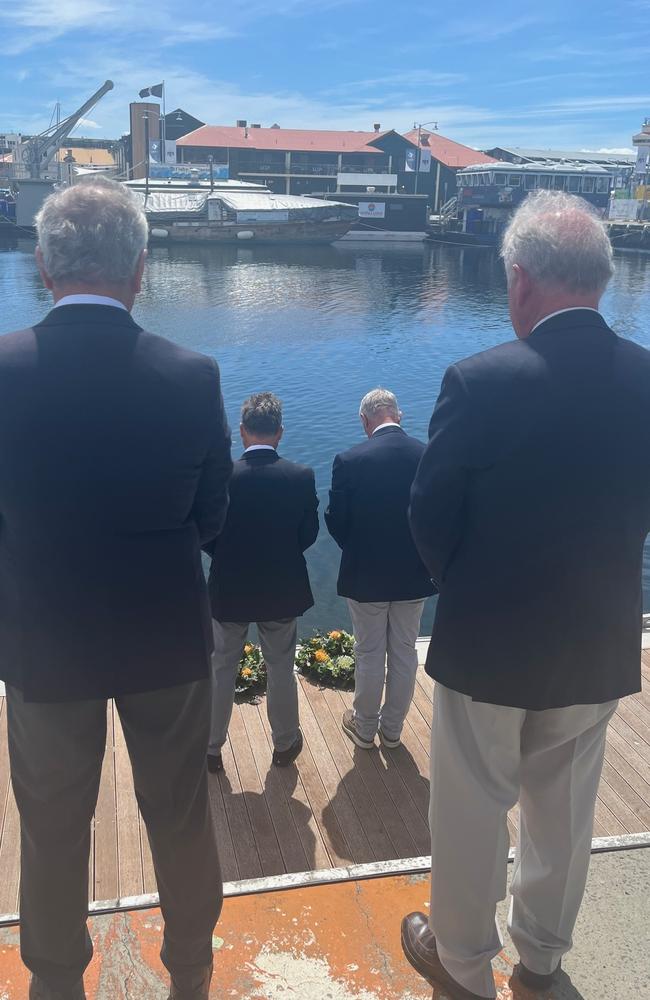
x=425, y=160
x=372, y=209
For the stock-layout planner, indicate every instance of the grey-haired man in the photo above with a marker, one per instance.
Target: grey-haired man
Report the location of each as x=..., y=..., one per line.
x=381, y=573
x=530, y=509
x=115, y=466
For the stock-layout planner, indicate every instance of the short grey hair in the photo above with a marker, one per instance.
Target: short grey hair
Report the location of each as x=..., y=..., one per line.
x=560, y=241
x=376, y=401
x=93, y=232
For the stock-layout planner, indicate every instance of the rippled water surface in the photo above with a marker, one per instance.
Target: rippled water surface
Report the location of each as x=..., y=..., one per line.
x=321, y=326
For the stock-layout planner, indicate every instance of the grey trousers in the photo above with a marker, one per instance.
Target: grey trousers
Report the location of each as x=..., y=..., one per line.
x=56, y=752
x=278, y=642
x=384, y=646
x=483, y=759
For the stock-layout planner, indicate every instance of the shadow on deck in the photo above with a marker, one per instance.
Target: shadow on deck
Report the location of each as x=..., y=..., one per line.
x=338, y=805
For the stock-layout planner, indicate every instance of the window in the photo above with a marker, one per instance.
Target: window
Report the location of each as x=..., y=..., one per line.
x=544, y=181
x=530, y=182
x=499, y=178
x=514, y=180
x=588, y=185
x=602, y=185
x=559, y=182
x=573, y=184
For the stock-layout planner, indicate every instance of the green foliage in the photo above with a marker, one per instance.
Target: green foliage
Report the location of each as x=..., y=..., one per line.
x=252, y=670
x=328, y=656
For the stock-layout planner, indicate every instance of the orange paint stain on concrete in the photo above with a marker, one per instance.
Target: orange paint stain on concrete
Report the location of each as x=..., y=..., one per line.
x=330, y=942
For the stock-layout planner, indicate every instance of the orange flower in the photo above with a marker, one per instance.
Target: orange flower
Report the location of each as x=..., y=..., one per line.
x=335, y=635
x=247, y=672
x=248, y=649
x=321, y=656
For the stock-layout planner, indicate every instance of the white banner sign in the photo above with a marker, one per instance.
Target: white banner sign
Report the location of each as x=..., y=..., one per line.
x=372, y=210
x=170, y=151
x=411, y=159
x=624, y=209
x=425, y=160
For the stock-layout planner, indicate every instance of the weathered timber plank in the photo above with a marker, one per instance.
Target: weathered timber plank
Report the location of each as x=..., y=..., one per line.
x=306, y=798
x=129, y=856
x=243, y=835
x=349, y=761
x=106, y=862
x=294, y=858
x=339, y=804
x=253, y=791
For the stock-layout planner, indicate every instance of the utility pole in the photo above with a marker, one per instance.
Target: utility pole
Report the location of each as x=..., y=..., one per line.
x=145, y=118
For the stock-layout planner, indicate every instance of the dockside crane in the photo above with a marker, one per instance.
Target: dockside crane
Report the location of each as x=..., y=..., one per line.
x=38, y=152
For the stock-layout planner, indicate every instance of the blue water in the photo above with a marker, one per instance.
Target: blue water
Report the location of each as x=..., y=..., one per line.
x=321, y=326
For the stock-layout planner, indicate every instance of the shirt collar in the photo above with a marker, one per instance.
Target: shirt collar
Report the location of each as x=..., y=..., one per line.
x=259, y=447
x=560, y=311
x=388, y=423
x=89, y=300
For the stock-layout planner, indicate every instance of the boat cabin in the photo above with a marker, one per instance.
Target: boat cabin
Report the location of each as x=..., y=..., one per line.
x=489, y=192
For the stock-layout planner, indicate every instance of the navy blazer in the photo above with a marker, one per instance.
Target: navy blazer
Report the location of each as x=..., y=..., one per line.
x=531, y=508
x=258, y=570
x=367, y=516
x=114, y=466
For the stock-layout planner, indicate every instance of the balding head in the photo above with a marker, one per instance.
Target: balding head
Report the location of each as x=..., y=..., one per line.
x=91, y=238
x=557, y=255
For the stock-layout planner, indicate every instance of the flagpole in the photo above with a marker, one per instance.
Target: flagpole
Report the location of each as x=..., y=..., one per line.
x=163, y=158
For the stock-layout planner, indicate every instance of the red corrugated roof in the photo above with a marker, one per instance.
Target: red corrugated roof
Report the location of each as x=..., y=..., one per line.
x=289, y=139
x=450, y=153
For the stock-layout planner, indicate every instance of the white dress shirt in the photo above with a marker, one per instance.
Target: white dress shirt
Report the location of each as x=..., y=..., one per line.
x=259, y=447
x=559, y=313
x=89, y=300
x=388, y=423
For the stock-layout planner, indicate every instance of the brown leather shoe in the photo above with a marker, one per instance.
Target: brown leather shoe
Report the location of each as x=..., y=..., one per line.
x=191, y=987
x=535, y=981
x=419, y=946
x=38, y=990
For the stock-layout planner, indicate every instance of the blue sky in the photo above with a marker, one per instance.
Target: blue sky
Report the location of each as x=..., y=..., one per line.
x=554, y=73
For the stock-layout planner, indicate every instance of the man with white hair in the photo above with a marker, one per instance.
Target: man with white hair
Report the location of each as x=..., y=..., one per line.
x=115, y=465
x=530, y=509
x=381, y=574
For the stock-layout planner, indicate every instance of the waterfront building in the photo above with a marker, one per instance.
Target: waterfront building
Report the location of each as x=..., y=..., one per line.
x=619, y=165
x=439, y=161
x=302, y=161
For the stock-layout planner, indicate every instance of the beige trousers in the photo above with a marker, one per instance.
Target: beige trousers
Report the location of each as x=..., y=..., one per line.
x=485, y=758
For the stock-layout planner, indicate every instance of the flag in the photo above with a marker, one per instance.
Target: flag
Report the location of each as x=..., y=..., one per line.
x=156, y=91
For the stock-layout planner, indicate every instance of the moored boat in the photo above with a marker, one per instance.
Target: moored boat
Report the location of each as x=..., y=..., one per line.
x=225, y=215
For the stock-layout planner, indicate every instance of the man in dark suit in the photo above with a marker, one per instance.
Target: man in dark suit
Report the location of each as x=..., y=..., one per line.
x=259, y=574
x=115, y=464
x=381, y=574
x=530, y=509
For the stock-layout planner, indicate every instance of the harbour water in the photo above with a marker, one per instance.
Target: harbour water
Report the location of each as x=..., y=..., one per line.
x=320, y=326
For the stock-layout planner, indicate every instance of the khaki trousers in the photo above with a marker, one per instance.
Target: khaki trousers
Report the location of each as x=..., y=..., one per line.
x=56, y=752
x=384, y=648
x=484, y=758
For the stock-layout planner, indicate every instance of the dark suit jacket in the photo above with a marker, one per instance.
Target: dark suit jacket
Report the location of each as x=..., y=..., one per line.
x=530, y=508
x=114, y=465
x=258, y=571
x=367, y=516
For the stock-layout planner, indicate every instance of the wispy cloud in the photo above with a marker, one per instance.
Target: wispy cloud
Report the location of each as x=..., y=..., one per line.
x=489, y=29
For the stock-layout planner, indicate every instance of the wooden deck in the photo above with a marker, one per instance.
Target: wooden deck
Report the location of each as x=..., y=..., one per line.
x=339, y=805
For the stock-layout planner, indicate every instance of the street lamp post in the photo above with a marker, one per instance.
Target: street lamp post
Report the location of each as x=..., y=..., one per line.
x=420, y=126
